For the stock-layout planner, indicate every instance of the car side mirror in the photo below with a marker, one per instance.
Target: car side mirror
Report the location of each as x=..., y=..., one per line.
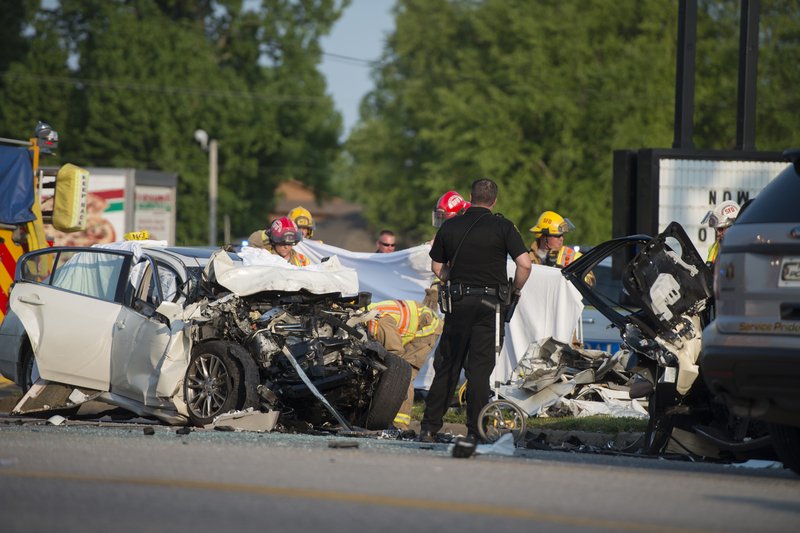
x=169, y=310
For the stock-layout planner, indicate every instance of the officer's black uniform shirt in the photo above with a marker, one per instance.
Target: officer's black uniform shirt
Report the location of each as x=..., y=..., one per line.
x=482, y=259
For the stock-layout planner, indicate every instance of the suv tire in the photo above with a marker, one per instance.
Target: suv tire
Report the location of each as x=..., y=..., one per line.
x=786, y=441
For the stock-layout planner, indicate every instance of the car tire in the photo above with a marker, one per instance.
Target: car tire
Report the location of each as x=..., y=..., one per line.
x=212, y=384
x=389, y=394
x=786, y=441
x=28, y=368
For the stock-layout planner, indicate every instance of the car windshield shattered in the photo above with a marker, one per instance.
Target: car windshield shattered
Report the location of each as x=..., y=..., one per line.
x=186, y=335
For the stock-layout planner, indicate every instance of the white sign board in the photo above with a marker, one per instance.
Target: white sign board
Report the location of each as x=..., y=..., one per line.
x=106, y=211
x=688, y=188
x=154, y=211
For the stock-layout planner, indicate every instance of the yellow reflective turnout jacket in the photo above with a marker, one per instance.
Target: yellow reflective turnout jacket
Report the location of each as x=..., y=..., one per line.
x=413, y=320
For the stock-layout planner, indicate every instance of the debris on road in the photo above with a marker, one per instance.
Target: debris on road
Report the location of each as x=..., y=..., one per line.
x=503, y=446
x=56, y=420
x=247, y=420
x=463, y=448
x=556, y=379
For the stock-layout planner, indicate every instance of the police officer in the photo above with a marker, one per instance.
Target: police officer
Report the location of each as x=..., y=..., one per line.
x=473, y=325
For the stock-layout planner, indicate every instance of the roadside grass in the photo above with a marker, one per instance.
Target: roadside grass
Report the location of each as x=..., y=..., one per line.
x=598, y=424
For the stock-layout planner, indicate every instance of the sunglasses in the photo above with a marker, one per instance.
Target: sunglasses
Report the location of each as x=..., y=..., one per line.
x=387, y=244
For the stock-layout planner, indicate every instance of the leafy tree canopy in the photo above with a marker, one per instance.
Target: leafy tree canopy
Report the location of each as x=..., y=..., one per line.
x=127, y=82
x=537, y=95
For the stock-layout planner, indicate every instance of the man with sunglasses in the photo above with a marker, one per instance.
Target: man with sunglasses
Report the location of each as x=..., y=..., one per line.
x=386, y=242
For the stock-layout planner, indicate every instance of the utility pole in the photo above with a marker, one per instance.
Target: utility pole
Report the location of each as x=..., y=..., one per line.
x=684, y=77
x=748, y=71
x=212, y=192
x=210, y=146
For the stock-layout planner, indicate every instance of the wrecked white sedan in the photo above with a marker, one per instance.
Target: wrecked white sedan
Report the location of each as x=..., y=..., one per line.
x=186, y=335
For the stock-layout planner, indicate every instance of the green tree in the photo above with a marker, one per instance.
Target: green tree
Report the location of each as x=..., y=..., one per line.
x=135, y=78
x=537, y=95
x=27, y=64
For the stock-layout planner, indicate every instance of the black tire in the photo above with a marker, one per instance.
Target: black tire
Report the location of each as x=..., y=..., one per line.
x=212, y=384
x=660, y=425
x=786, y=441
x=389, y=394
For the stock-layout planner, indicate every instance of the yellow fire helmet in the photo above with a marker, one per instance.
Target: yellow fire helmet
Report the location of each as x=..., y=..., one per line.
x=141, y=235
x=303, y=219
x=552, y=224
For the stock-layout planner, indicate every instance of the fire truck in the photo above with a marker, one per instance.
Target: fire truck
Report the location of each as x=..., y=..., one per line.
x=23, y=185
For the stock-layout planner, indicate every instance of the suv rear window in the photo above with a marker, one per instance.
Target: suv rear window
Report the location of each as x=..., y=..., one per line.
x=777, y=202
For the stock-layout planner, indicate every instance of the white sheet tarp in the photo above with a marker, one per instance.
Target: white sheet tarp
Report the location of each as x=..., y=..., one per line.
x=402, y=275
x=549, y=307
x=263, y=271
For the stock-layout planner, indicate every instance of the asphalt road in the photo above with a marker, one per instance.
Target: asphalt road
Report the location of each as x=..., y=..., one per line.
x=89, y=478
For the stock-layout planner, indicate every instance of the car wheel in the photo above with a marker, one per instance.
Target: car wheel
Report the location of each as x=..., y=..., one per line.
x=390, y=392
x=786, y=441
x=500, y=417
x=212, y=384
x=29, y=370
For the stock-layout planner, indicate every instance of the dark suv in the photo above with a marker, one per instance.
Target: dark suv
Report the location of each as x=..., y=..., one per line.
x=751, y=351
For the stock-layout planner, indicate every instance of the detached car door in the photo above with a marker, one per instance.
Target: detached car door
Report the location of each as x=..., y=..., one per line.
x=69, y=301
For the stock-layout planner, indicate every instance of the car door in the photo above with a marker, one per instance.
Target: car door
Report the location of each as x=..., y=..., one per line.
x=69, y=301
x=606, y=297
x=665, y=281
x=140, y=342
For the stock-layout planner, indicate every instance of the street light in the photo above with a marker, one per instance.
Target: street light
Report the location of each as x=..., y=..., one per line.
x=210, y=146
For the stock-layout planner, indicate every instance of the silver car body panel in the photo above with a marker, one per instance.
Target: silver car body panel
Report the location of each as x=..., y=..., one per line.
x=138, y=351
x=756, y=277
x=71, y=335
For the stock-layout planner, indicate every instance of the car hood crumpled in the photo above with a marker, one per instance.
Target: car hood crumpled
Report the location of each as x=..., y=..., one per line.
x=263, y=271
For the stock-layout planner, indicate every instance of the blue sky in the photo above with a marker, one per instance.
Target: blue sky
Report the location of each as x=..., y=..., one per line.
x=359, y=34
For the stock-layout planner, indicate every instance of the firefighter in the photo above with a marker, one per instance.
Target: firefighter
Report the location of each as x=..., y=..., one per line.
x=409, y=330
x=449, y=205
x=303, y=220
x=548, y=246
x=280, y=239
x=720, y=218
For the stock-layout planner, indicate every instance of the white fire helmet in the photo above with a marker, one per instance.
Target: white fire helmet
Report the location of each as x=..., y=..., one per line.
x=722, y=215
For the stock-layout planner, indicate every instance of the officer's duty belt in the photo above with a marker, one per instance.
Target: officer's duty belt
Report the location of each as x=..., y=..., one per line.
x=478, y=291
